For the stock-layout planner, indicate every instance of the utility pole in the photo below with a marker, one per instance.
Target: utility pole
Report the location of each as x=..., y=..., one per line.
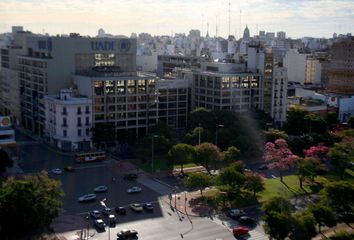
x=199, y=134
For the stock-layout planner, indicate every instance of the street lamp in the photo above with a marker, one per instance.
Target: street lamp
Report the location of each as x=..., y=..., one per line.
x=216, y=133
x=199, y=134
x=152, y=152
x=103, y=204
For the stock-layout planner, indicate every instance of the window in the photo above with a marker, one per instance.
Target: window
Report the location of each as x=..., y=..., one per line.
x=87, y=109
x=64, y=111
x=64, y=133
x=79, y=132
x=79, y=121
x=87, y=122
x=64, y=122
x=87, y=132
x=78, y=110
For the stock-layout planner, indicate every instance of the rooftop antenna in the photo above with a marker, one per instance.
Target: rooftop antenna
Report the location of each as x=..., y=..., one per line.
x=229, y=16
x=240, y=23
x=202, y=24
x=207, y=28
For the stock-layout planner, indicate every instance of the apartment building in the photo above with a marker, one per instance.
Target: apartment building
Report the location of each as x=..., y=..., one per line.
x=279, y=95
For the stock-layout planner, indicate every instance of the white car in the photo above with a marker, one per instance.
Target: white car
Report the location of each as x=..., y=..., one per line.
x=57, y=171
x=87, y=197
x=95, y=214
x=134, y=190
x=101, y=188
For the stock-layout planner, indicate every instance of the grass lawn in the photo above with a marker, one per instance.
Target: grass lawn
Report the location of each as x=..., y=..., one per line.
x=274, y=187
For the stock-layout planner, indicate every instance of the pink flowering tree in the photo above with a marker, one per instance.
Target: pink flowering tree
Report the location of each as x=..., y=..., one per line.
x=318, y=152
x=278, y=156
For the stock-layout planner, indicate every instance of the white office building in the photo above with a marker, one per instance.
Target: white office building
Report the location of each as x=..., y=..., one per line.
x=295, y=64
x=68, y=121
x=279, y=95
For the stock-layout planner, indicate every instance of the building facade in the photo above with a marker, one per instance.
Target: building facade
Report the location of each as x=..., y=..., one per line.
x=313, y=71
x=280, y=95
x=68, y=121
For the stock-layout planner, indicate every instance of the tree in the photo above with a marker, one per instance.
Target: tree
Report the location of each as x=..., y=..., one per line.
x=198, y=180
x=231, y=154
x=310, y=168
x=296, y=123
x=342, y=235
x=339, y=195
x=315, y=123
x=232, y=176
x=253, y=183
x=193, y=136
x=278, y=156
x=5, y=161
x=332, y=118
x=28, y=204
x=273, y=134
x=323, y=215
x=144, y=146
x=351, y=122
x=342, y=154
x=181, y=154
x=202, y=117
x=303, y=226
x=103, y=133
x=318, y=152
x=207, y=154
x=277, y=217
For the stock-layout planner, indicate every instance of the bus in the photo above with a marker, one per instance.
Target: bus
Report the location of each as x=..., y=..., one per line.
x=90, y=157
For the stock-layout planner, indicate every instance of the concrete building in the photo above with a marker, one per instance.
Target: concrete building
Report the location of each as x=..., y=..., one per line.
x=280, y=95
x=49, y=63
x=313, y=71
x=226, y=86
x=295, y=63
x=167, y=63
x=281, y=35
x=346, y=109
x=268, y=82
x=68, y=121
x=341, y=69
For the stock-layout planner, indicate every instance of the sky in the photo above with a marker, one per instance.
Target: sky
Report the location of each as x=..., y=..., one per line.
x=298, y=18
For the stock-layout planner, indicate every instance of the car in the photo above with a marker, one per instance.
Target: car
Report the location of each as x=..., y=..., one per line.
x=69, y=169
x=101, y=188
x=239, y=231
x=246, y=220
x=111, y=219
x=95, y=214
x=107, y=211
x=263, y=167
x=120, y=210
x=87, y=197
x=130, y=176
x=99, y=223
x=57, y=171
x=125, y=233
x=136, y=207
x=134, y=190
x=235, y=213
x=148, y=207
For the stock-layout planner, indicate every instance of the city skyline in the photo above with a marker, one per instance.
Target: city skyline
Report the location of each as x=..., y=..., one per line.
x=299, y=18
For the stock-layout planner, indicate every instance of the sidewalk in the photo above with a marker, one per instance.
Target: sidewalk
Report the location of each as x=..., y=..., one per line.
x=70, y=227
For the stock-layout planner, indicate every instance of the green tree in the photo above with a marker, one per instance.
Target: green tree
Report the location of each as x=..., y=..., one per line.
x=339, y=195
x=232, y=176
x=273, y=134
x=315, y=123
x=193, y=136
x=103, y=133
x=181, y=154
x=161, y=129
x=323, y=215
x=28, y=204
x=342, y=154
x=202, y=117
x=253, y=183
x=207, y=154
x=5, y=161
x=198, y=180
x=342, y=235
x=277, y=217
x=351, y=122
x=309, y=168
x=332, y=118
x=231, y=154
x=303, y=226
x=144, y=146
x=296, y=123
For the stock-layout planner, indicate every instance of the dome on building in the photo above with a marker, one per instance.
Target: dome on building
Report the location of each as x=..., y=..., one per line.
x=246, y=33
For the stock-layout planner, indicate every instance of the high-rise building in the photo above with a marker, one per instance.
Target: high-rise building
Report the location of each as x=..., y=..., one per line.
x=281, y=35
x=313, y=71
x=279, y=95
x=341, y=69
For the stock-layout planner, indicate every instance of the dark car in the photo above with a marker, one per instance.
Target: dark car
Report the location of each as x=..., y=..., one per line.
x=235, y=213
x=125, y=234
x=246, y=220
x=99, y=223
x=69, y=169
x=120, y=210
x=148, y=207
x=130, y=177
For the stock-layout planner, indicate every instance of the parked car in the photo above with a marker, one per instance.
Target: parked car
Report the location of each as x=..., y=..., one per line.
x=87, y=197
x=148, y=207
x=246, y=220
x=136, y=207
x=107, y=211
x=57, y=171
x=120, y=210
x=111, y=219
x=95, y=214
x=130, y=176
x=101, y=188
x=134, y=190
x=235, y=213
x=99, y=223
x=263, y=167
x=69, y=169
x=125, y=233
x=239, y=231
